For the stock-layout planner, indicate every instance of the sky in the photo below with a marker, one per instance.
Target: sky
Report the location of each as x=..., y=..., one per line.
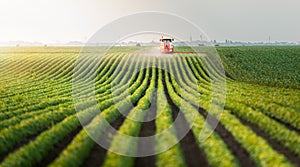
x=77, y=20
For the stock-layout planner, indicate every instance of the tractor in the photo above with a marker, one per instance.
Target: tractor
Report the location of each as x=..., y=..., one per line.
x=166, y=45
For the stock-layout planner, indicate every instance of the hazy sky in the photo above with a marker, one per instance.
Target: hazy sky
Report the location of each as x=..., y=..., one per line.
x=70, y=20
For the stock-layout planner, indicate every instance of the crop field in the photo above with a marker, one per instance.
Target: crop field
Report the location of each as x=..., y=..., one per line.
x=40, y=125
x=270, y=65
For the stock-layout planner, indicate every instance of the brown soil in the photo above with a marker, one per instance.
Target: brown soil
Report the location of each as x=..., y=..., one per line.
x=193, y=155
x=273, y=143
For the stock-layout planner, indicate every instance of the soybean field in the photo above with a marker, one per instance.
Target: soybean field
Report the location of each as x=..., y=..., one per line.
x=48, y=111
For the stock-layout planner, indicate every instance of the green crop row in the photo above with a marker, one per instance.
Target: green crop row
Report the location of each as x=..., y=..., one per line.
x=130, y=128
x=242, y=137
x=286, y=114
x=78, y=149
x=215, y=149
x=166, y=132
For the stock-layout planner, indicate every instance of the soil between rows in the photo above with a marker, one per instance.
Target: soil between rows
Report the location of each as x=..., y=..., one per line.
x=240, y=153
x=193, y=155
x=148, y=128
x=98, y=153
x=273, y=143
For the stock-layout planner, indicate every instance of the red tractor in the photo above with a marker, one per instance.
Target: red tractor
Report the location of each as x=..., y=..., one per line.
x=166, y=45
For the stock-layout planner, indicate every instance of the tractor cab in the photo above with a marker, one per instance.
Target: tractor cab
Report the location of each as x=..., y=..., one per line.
x=166, y=45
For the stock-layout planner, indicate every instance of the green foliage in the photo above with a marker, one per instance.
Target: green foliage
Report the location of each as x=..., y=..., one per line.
x=275, y=66
x=37, y=110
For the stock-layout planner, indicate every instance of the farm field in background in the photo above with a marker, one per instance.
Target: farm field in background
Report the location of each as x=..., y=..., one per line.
x=269, y=65
x=260, y=125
